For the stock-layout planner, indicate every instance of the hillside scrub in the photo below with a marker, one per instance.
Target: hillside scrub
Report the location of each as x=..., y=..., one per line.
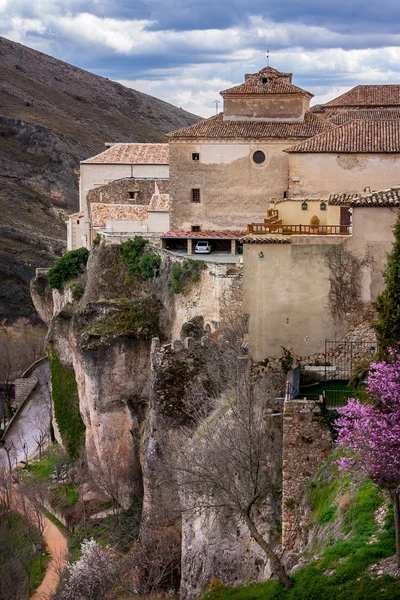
x=184, y=275
x=68, y=267
x=347, y=541
x=66, y=405
x=139, y=262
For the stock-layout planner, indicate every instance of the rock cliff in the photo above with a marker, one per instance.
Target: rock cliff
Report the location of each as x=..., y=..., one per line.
x=144, y=395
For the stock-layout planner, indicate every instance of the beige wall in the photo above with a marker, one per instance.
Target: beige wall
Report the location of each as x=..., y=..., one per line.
x=323, y=174
x=75, y=233
x=264, y=107
x=292, y=213
x=93, y=175
x=371, y=240
x=234, y=190
x=285, y=294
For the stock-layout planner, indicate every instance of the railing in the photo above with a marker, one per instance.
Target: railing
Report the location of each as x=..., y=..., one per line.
x=261, y=228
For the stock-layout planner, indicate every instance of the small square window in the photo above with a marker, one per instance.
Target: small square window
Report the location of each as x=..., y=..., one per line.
x=131, y=195
x=195, y=156
x=196, y=228
x=195, y=195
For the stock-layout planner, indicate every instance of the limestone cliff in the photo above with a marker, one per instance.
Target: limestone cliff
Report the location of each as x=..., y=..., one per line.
x=140, y=401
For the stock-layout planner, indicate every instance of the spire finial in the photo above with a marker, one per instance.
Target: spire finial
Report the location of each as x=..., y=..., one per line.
x=267, y=57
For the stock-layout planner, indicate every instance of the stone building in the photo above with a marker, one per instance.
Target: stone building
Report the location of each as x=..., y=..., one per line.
x=289, y=275
x=122, y=190
x=225, y=170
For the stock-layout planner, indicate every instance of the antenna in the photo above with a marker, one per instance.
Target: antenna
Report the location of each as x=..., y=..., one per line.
x=216, y=102
x=267, y=57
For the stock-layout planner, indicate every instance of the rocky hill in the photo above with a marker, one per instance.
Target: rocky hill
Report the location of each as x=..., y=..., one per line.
x=53, y=115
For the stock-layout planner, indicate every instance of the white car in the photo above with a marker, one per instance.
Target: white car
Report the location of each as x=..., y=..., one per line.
x=203, y=248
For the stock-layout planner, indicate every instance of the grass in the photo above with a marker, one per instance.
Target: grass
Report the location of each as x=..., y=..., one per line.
x=340, y=572
x=43, y=469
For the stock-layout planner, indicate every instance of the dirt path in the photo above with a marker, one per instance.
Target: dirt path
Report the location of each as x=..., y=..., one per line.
x=58, y=548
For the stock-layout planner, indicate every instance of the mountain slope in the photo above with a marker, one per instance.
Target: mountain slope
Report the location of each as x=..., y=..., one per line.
x=53, y=115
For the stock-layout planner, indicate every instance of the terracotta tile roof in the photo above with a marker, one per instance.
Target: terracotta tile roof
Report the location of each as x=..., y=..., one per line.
x=280, y=200
x=140, y=154
x=369, y=95
x=159, y=203
x=205, y=235
x=274, y=86
x=216, y=128
x=377, y=114
x=342, y=199
x=356, y=136
x=265, y=239
x=382, y=198
x=77, y=215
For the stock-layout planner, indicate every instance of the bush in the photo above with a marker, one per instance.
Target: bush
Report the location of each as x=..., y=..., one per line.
x=149, y=263
x=286, y=360
x=68, y=267
x=314, y=220
x=183, y=275
x=78, y=291
x=66, y=405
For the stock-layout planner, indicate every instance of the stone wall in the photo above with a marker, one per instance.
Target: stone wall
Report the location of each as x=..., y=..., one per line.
x=306, y=445
x=117, y=192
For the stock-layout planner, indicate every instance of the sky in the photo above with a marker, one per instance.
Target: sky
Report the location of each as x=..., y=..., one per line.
x=186, y=51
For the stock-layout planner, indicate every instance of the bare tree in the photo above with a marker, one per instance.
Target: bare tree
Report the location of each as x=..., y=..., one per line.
x=226, y=464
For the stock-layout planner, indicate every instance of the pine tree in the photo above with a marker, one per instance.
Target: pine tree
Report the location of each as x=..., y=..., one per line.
x=387, y=325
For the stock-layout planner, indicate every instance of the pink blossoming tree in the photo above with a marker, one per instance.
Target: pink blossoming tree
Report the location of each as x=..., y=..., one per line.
x=369, y=433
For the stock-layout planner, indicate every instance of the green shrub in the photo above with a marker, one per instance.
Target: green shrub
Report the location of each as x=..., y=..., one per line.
x=149, y=263
x=264, y=362
x=138, y=262
x=184, y=275
x=131, y=317
x=78, y=291
x=66, y=405
x=286, y=360
x=97, y=240
x=132, y=251
x=68, y=267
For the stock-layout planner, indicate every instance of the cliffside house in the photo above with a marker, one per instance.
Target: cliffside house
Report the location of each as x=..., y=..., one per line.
x=122, y=191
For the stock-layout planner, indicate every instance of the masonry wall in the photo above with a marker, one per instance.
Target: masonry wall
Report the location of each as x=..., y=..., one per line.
x=264, y=107
x=306, y=445
x=285, y=294
x=118, y=191
x=323, y=174
x=234, y=190
x=95, y=174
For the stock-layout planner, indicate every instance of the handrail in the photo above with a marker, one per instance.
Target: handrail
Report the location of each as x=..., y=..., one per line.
x=262, y=228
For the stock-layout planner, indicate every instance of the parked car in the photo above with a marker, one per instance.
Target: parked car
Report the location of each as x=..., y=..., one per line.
x=203, y=248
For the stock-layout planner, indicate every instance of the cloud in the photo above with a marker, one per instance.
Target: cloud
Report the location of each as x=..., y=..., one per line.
x=185, y=51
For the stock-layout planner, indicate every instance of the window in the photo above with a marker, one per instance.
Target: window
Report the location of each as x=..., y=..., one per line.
x=322, y=206
x=77, y=221
x=131, y=195
x=285, y=195
x=304, y=206
x=195, y=156
x=195, y=195
x=259, y=157
x=196, y=228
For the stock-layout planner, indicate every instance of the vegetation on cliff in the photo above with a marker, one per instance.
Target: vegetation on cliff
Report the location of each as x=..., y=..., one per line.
x=66, y=404
x=351, y=530
x=139, y=262
x=68, y=267
x=184, y=275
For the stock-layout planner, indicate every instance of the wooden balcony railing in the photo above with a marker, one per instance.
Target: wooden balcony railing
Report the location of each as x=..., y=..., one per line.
x=262, y=228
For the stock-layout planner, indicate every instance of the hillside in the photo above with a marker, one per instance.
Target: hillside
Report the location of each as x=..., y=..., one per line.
x=52, y=115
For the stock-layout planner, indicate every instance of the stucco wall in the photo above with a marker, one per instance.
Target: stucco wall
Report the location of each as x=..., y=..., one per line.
x=372, y=239
x=266, y=107
x=118, y=191
x=323, y=174
x=234, y=190
x=285, y=294
x=95, y=174
x=292, y=213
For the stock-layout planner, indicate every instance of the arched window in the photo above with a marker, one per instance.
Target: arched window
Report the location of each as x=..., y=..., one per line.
x=322, y=206
x=304, y=206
